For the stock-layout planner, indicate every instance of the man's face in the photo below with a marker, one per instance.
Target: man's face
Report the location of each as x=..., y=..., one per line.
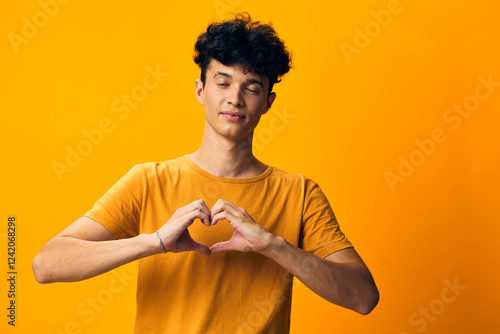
x=234, y=101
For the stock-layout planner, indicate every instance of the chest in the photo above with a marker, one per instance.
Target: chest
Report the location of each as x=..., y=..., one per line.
x=277, y=209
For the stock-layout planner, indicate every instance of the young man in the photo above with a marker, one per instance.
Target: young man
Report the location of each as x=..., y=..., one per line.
x=280, y=224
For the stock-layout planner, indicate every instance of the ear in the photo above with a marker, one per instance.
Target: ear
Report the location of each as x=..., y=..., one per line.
x=269, y=102
x=199, y=90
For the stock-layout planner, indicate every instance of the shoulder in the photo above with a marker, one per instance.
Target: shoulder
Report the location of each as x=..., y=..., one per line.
x=158, y=169
x=293, y=179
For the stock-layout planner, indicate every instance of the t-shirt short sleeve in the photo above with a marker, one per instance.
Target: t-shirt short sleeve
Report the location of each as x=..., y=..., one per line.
x=321, y=234
x=119, y=209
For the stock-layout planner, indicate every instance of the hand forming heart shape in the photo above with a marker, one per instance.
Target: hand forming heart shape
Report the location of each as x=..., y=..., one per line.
x=247, y=235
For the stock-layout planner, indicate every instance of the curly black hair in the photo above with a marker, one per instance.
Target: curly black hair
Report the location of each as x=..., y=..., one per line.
x=251, y=44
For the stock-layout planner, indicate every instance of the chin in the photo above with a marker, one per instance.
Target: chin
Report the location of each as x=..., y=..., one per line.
x=235, y=136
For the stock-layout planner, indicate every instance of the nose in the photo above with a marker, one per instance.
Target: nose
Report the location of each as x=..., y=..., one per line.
x=235, y=96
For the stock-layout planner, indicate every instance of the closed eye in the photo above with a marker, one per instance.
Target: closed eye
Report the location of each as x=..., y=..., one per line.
x=252, y=90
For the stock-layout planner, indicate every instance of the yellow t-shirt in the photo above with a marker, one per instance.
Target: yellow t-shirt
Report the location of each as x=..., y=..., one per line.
x=225, y=293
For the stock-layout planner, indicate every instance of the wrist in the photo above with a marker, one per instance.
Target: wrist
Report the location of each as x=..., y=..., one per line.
x=162, y=246
x=153, y=244
x=274, y=245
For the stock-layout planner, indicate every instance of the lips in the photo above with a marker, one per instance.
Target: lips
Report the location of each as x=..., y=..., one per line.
x=233, y=115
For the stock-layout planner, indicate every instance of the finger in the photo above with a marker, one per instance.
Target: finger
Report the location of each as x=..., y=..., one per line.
x=197, y=213
x=189, y=207
x=222, y=247
x=219, y=216
x=196, y=203
x=222, y=205
x=216, y=208
x=204, y=215
x=204, y=208
x=235, y=221
x=200, y=205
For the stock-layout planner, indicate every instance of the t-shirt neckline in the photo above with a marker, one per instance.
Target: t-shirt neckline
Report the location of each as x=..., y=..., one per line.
x=195, y=167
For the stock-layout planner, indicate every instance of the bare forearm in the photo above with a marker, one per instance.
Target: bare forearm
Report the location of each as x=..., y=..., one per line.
x=68, y=259
x=346, y=284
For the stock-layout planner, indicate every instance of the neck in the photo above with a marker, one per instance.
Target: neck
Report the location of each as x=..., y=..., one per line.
x=228, y=158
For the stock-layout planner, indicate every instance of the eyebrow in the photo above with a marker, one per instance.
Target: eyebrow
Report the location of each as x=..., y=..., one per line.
x=255, y=81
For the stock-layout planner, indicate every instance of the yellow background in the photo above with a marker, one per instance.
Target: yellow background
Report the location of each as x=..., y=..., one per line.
x=353, y=116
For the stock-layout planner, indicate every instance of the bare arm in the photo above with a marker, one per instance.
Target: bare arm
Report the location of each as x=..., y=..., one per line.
x=341, y=278
x=86, y=248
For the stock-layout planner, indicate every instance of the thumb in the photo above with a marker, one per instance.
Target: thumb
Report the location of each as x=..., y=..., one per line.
x=222, y=247
x=202, y=248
